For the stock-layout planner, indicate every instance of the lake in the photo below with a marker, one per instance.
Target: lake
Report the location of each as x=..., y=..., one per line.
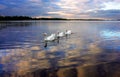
x=93, y=50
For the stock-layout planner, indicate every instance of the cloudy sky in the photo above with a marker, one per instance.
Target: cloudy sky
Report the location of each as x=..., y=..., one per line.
x=62, y=8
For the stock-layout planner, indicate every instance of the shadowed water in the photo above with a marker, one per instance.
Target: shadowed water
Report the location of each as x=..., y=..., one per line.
x=93, y=50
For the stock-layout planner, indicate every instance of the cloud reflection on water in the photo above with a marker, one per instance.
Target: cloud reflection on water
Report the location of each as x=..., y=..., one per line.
x=67, y=53
x=85, y=47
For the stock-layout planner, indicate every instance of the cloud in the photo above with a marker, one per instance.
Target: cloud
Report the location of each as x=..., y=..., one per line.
x=60, y=13
x=61, y=8
x=111, y=5
x=36, y=1
x=28, y=8
x=106, y=14
x=2, y=6
x=77, y=9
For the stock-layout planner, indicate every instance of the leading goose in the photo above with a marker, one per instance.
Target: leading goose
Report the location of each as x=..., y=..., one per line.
x=52, y=37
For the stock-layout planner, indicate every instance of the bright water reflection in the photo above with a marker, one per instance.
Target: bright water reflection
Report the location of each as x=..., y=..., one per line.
x=22, y=50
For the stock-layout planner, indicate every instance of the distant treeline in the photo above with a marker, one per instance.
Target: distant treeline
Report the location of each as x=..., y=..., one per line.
x=15, y=18
x=4, y=18
x=88, y=19
x=49, y=19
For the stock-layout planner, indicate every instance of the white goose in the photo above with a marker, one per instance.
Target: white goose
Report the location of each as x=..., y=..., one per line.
x=68, y=32
x=61, y=34
x=52, y=37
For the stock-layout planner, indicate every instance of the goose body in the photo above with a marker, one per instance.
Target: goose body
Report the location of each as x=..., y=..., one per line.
x=52, y=37
x=61, y=34
x=68, y=32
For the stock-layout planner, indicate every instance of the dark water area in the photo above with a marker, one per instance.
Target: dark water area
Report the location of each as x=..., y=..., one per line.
x=93, y=50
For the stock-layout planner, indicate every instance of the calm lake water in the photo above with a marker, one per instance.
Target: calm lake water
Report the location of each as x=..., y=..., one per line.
x=93, y=43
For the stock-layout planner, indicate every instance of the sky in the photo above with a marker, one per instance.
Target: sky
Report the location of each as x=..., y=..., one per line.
x=108, y=9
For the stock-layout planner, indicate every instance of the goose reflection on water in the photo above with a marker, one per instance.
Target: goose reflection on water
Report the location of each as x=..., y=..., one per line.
x=53, y=37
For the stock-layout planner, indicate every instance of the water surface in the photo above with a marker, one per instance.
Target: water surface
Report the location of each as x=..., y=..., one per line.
x=22, y=48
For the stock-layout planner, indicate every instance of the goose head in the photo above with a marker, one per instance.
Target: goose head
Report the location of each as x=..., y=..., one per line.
x=44, y=34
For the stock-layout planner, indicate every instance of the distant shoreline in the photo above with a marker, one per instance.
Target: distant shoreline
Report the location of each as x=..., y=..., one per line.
x=16, y=18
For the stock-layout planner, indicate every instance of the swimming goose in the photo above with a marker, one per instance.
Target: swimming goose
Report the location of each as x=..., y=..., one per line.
x=68, y=32
x=52, y=37
x=47, y=39
x=61, y=34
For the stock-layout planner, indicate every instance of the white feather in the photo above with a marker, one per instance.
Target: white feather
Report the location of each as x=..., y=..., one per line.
x=52, y=37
